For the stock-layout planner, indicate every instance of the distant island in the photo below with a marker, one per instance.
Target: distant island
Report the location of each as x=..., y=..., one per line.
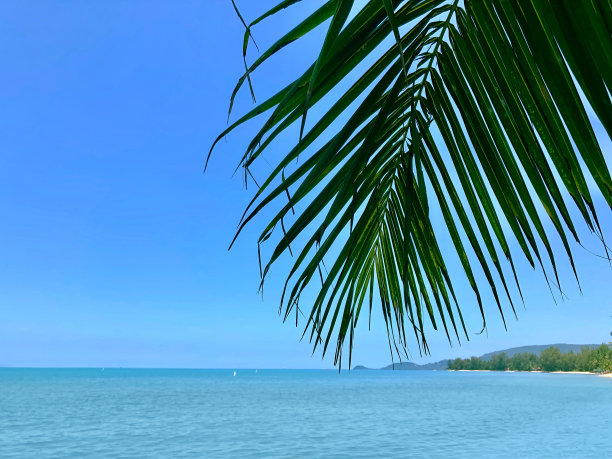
x=548, y=357
x=441, y=365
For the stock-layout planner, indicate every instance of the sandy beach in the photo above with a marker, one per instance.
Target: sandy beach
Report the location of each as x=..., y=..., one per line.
x=574, y=372
x=607, y=375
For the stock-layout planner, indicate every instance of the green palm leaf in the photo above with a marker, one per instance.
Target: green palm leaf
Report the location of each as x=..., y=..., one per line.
x=474, y=107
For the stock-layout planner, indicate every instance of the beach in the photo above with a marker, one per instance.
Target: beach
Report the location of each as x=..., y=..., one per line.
x=604, y=375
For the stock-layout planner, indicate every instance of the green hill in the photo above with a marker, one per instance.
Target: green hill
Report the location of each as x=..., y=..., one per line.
x=443, y=364
x=408, y=366
x=538, y=348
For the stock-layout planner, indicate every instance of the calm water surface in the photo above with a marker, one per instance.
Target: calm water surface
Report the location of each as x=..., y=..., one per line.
x=272, y=414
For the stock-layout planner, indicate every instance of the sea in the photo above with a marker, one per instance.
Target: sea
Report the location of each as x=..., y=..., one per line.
x=238, y=413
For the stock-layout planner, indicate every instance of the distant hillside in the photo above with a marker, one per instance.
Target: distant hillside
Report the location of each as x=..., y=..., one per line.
x=402, y=366
x=408, y=366
x=536, y=349
x=443, y=364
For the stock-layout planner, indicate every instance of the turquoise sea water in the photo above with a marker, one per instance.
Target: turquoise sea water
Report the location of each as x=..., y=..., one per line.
x=301, y=413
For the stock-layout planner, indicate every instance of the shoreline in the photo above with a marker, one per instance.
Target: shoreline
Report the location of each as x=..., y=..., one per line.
x=603, y=375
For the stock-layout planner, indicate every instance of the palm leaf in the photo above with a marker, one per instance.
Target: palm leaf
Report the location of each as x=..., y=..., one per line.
x=473, y=107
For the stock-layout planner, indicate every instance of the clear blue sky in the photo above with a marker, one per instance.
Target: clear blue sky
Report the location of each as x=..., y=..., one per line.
x=113, y=244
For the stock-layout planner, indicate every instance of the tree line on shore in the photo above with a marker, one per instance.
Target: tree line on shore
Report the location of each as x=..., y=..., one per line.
x=551, y=359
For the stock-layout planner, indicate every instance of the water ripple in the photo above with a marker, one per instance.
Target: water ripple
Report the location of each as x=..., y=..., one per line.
x=295, y=414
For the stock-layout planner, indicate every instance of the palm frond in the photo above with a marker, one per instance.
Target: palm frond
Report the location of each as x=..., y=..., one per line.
x=476, y=107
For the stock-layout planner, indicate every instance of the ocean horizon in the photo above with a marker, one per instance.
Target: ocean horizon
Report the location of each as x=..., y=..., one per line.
x=127, y=412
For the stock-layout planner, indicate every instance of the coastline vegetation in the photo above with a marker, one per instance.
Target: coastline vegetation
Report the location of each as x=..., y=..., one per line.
x=550, y=359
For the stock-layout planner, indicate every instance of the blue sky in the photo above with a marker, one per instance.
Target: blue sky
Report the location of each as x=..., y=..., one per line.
x=114, y=244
